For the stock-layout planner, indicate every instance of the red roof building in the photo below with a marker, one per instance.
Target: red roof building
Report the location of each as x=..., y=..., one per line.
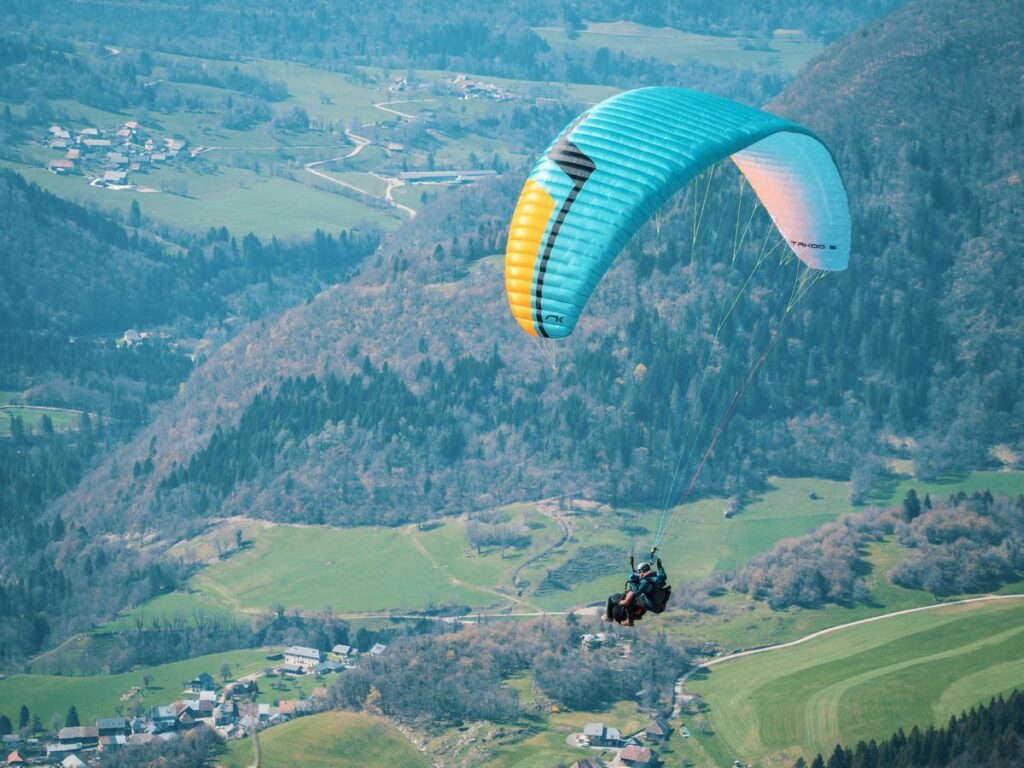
x=636, y=757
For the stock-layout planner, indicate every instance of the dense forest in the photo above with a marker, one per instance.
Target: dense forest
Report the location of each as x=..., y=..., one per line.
x=989, y=736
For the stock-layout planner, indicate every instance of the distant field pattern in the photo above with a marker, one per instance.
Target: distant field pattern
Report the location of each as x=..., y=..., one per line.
x=785, y=51
x=864, y=682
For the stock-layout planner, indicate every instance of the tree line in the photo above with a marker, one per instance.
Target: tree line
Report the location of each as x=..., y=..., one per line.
x=988, y=736
x=960, y=545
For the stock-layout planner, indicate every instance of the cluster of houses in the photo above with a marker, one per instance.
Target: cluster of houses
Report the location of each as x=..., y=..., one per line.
x=229, y=711
x=108, y=156
x=633, y=751
x=467, y=88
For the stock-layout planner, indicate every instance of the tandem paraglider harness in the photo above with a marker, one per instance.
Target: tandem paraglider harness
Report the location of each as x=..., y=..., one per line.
x=645, y=590
x=655, y=593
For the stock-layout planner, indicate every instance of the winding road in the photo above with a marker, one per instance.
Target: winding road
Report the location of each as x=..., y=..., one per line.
x=360, y=142
x=383, y=106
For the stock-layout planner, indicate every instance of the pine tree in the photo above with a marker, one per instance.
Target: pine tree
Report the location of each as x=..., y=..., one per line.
x=72, y=721
x=911, y=505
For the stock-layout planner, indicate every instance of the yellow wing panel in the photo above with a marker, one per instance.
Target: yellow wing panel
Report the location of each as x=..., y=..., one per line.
x=525, y=241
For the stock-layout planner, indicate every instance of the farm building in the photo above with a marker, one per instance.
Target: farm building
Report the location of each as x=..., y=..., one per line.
x=600, y=735
x=60, y=167
x=453, y=176
x=635, y=757
x=86, y=735
x=658, y=731
x=301, y=656
x=203, y=681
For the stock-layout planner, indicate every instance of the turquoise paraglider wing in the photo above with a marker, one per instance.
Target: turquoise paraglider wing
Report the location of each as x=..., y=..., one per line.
x=618, y=162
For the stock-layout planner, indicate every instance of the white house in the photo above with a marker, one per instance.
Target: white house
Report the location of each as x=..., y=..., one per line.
x=307, y=658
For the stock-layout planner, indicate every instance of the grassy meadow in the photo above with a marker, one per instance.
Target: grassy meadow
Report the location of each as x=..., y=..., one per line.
x=328, y=740
x=892, y=490
x=369, y=570
x=700, y=540
x=862, y=682
x=785, y=52
x=13, y=405
x=314, y=567
x=311, y=568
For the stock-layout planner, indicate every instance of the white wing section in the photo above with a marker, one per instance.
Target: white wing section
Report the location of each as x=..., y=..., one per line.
x=796, y=179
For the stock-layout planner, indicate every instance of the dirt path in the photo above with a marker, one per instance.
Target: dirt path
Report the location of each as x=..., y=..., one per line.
x=394, y=183
x=409, y=532
x=821, y=633
x=562, y=522
x=383, y=106
x=255, y=738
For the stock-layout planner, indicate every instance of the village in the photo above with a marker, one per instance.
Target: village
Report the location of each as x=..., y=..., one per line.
x=108, y=156
x=230, y=710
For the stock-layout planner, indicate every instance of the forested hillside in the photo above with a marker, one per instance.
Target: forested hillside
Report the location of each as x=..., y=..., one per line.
x=492, y=418
x=71, y=270
x=112, y=276
x=925, y=114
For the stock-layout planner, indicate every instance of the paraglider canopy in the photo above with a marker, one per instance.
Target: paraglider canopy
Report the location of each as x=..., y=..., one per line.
x=618, y=162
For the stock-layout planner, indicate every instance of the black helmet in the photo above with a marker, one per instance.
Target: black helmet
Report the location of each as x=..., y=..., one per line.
x=643, y=567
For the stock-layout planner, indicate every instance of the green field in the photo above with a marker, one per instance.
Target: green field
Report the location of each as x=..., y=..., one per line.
x=892, y=490
x=700, y=540
x=740, y=622
x=784, y=52
x=99, y=695
x=312, y=568
x=62, y=420
x=544, y=743
x=863, y=682
x=367, y=570
x=328, y=740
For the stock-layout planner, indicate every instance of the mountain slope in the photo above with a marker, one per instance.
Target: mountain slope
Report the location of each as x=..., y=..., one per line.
x=890, y=345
